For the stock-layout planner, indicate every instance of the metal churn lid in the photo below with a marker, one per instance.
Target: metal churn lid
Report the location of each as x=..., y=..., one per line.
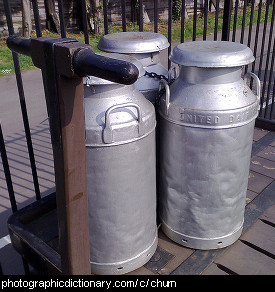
x=212, y=54
x=133, y=42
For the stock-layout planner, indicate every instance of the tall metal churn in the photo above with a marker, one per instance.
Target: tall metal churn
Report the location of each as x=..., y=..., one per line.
x=206, y=126
x=120, y=153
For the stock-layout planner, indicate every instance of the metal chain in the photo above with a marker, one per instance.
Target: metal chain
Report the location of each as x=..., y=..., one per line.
x=155, y=75
x=160, y=77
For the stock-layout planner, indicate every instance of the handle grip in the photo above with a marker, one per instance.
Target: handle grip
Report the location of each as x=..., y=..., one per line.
x=108, y=133
x=19, y=45
x=174, y=70
x=84, y=61
x=167, y=94
x=258, y=84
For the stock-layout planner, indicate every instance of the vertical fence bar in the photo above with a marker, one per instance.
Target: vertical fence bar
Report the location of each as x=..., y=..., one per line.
x=23, y=104
x=273, y=99
x=256, y=39
x=155, y=15
x=263, y=39
x=105, y=16
x=262, y=53
x=267, y=60
x=195, y=20
x=250, y=30
x=36, y=18
x=123, y=15
x=226, y=20
x=235, y=21
x=205, y=8
x=182, y=21
x=140, y=7
x=61, y=17
x=84, y=21
x=170, y=5
x=250, y=22
x=270, y=82
x=7, y=172
x=216, y=19
x=243, y=21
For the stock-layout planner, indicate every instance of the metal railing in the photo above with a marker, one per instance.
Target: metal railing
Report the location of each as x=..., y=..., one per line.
x=259, y=37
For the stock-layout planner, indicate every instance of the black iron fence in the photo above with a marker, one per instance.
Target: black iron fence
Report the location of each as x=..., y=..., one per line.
x=256, y=31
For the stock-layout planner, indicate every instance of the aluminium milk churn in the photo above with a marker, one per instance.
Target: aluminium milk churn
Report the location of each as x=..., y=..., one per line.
x=207, y=120
x=146, y=47
x=120, y=152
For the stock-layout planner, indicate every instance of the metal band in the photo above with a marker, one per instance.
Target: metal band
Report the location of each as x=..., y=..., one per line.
x=211, y=119
x=122, y=142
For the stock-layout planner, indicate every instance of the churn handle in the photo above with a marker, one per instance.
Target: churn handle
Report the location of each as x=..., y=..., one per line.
x=172, y=69
x=167, y=93
x=107, y=132
x=258, y=83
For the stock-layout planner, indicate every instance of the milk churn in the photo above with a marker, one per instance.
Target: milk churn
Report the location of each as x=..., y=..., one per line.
x=120, y=150
x=146, y=47
x=206, y=131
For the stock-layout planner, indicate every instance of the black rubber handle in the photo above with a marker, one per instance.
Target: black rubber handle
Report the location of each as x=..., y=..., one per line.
x=19, y=45
x=86, y=63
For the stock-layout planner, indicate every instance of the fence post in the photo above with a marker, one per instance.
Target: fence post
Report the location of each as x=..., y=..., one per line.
x=226, y=20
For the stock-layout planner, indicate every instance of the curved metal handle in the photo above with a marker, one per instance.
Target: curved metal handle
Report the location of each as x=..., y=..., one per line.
x=108, y=133
x=258, y=83
x=172, y=69
x=167, y=94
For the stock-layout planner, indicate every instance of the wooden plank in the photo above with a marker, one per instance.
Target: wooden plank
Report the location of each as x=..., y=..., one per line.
x=258, y=182
x=259, y=133
x=262, y=143
x=180, y=253
x=263, y=166
x=261, y=235
x=213, y=270
x=245, y=260
x=159, y=260
x=269, y=214
x=197, y=262
x=250, y=196
x=73, y=207
x=141, y=271
x=268, y=153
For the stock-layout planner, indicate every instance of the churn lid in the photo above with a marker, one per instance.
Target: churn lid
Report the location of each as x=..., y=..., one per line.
x=92, y=80
x=212, y=54
x=133, y=42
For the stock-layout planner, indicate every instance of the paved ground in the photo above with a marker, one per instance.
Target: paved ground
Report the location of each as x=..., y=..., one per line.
x=261, y=175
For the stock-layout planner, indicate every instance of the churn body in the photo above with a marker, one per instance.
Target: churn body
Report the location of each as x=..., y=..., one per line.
x=206, y=130
x=144, y=46
x=120, y=151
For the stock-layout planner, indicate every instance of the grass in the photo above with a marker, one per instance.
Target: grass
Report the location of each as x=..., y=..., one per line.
x=6, y=61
